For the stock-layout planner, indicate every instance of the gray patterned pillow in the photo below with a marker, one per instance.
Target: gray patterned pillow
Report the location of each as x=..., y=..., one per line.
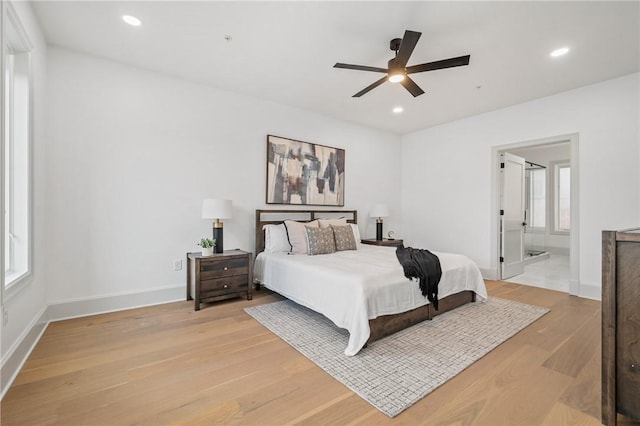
x=320, y=240
x=344, y=237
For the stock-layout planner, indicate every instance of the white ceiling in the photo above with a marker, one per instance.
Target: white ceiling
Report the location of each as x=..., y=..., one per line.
x=285, y=51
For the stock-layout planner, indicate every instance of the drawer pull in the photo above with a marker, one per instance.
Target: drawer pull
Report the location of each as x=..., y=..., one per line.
x=226, y=286
x=225, y=268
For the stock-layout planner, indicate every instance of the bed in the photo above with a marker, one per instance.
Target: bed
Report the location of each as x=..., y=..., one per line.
x=363, y=291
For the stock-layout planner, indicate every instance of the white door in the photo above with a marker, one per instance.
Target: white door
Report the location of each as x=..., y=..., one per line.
x=512, y=222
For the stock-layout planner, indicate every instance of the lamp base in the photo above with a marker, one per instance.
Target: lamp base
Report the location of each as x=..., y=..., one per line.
x=218, y=236
x=379, y=229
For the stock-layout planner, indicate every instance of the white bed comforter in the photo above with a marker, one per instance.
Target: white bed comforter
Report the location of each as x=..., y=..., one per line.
x=351, y=287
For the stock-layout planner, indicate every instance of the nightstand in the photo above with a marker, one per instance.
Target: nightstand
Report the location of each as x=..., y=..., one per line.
x=219, y=276
x=384, y=242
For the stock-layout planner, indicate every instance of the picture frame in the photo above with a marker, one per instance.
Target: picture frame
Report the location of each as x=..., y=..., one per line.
x=304, y=173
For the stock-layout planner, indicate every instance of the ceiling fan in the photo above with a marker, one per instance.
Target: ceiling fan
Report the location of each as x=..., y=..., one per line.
x=397, y=71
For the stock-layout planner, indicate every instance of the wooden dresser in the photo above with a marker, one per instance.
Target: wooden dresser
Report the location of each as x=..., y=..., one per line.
x=219, y=276
x=620, y=326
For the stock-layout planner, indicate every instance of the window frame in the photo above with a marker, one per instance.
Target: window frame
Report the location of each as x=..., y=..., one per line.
x=557, y=165
x=15, y=41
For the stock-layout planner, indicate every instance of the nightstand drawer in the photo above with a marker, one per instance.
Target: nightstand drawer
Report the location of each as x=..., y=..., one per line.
x=223, y=287
x=227, y=268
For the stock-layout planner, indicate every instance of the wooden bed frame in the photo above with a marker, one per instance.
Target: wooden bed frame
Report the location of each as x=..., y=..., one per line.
x=381, y=326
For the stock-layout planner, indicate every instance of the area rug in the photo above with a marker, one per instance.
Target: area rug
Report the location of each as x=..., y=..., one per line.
x=395, y=372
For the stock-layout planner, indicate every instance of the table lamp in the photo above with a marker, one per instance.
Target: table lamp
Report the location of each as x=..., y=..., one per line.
x=379, y=211
x=217, y=209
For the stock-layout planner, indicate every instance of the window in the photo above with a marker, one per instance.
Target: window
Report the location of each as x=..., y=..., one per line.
x=562, y=197
x=16, y=137
x=537, y=198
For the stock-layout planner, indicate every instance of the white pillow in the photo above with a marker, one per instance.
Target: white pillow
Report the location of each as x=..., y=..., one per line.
x=356, y=233
x=298, y=235
x=325, y=223
x=275, y=239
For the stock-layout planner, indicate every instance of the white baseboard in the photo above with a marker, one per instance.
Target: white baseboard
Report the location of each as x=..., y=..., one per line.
x=118, y=302
x=590, y=291
x=489, y=274
x=17, y=355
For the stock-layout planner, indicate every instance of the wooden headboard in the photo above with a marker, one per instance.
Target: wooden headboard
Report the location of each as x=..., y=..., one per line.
x=274, y=217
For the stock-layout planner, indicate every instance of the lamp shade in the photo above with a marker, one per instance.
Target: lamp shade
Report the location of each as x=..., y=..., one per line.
x=379, y=210
x=217, y=209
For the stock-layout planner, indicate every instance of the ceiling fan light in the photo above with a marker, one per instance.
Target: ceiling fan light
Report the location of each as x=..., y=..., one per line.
x=396, y=78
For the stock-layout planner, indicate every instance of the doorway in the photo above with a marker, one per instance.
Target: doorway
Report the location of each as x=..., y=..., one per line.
x=537, y=244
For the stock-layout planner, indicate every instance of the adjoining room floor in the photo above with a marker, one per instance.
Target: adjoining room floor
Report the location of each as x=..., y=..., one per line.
x=552, y=273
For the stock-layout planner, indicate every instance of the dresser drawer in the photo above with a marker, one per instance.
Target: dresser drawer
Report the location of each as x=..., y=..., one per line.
x=226, y=268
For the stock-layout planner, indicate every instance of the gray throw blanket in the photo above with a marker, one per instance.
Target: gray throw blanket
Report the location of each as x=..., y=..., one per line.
x=423, y=265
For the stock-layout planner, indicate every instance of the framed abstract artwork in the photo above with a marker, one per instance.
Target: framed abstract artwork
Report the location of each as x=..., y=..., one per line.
x=304, y=173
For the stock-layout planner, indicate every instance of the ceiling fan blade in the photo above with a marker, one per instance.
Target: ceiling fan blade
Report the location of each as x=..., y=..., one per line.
x=370, y=87
x=409, y=42
x=438, y=65
x=360, y=67
x=411, y=86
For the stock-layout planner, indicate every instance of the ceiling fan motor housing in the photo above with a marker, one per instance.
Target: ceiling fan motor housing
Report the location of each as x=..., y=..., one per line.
x=395, y=44
x=393, y=68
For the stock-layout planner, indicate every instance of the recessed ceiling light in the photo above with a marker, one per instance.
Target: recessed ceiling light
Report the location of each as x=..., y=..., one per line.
x=131, y=20
x=560, y=52
x=398, y=110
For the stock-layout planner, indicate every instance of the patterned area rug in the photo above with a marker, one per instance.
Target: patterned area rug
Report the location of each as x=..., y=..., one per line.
x=395, y=372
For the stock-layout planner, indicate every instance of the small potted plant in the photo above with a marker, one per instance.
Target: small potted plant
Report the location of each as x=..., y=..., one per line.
x=207, y=245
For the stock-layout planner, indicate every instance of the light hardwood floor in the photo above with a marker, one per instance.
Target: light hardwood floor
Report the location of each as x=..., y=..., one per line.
x=167, y=364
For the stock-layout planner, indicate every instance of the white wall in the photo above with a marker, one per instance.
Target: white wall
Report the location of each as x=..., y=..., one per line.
x=132, y=154
x=25, y=302
x=448, y=178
